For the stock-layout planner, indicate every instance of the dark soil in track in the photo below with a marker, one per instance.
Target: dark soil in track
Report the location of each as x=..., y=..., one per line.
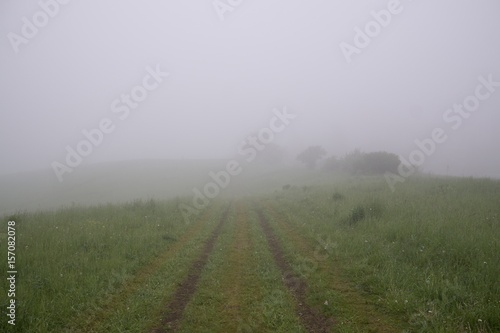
x=175, y=309
x=312, y=320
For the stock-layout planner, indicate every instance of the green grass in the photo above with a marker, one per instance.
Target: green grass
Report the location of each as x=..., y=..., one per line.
x=72, y=259
x=263, y=303
x=428, y=252
x=425, y=255
x=139, y=312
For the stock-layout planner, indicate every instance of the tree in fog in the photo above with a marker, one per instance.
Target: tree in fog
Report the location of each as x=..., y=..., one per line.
x=357, y=162
x=311, y=156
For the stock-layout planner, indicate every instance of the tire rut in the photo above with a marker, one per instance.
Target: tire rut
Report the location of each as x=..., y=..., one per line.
x=174, y=310
x=369, y=315
x=91, y=321
x=312, y=320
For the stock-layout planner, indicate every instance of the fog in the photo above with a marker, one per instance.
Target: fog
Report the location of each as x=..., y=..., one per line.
x=211, y=73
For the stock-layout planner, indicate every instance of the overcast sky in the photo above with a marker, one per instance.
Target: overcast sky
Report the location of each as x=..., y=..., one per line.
x=230, y=67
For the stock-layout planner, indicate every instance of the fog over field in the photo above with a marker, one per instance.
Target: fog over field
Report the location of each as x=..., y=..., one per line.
x=250, y=166
x=86, y=82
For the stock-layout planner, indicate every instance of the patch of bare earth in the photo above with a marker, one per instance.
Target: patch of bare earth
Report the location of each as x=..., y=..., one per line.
x=312, y=320
x=175, y=308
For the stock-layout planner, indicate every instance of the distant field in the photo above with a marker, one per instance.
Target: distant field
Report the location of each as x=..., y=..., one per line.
x=311, y=255
x=101, y=183
x=119, y=182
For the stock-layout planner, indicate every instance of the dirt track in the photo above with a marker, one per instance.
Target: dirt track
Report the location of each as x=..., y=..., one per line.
x=251, y=229
x=310, y=318
x=89, y=321
x=175, y=309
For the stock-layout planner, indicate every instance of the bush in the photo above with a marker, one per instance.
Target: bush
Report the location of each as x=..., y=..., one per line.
x=357, y=214
x=357, y=162
x=337, y=196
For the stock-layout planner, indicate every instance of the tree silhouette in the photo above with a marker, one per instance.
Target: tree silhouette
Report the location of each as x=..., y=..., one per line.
x=311, y=155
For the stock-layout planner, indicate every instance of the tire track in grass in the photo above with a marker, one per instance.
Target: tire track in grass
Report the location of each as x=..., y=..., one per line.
x=250, y=296
x=369, y=318
x=175, y=308
x=312, y=320
x=221, y=292
x=92, y=320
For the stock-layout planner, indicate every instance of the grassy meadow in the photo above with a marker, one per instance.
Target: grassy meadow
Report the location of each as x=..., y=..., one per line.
x=421, y=259
x=427, y=252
